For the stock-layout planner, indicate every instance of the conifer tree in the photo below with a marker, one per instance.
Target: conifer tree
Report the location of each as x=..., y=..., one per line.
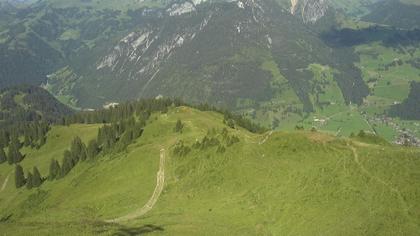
x=36, y=178
x=10, y=157
x=68, y=163
x=4, y=139
x=14, y=142
x=92, y=149
x=179, y=126
x=14, y=155
x=19, y=177
x=83, y=152
x=76, y=149
x=3, y=157
x=29, y=180
x=27, y=140
x=54, y=170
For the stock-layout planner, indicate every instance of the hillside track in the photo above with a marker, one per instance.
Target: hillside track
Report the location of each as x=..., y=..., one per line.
x=266, y=138
x=5, y=183
x=160, y=182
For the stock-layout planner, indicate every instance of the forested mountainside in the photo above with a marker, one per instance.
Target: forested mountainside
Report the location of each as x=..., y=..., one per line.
x=27, y=103
x=336, y=65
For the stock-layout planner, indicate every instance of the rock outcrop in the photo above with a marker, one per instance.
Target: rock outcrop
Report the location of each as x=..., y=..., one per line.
x=310, y=10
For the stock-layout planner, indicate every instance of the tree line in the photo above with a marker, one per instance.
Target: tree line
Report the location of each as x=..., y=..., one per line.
x=222, y=140
x=114, y=137
x=144, y=107
x=121, y=126
x=33, y=135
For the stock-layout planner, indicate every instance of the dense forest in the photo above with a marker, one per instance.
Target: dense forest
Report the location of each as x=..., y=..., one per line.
x=26, y=103
x=409, y=109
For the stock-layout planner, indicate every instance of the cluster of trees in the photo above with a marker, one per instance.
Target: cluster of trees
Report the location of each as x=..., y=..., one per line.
x=144, y=107
x=113, y=137
x=33, y=135
x=13, y=155
x=122, y=125
x=141, y=109
x=118, y=135
x=33, y=179
x=409, y=108
x=77, y=152
x=181, y=149
x=210, y=140
x=232, y=120
x=229, y=139
x=26, y=103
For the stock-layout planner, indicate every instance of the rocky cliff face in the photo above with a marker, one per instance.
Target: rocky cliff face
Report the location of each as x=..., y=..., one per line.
x=310, y=10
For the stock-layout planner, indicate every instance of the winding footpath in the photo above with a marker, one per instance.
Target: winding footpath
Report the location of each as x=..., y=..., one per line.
x=266, y=138
x=160, y=182
x=5, y=183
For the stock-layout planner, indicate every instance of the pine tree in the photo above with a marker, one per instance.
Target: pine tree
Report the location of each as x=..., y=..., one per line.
x=19, y=177
x=76, y=149
x=4, y=139
x=68, y=163
x=15, y=143
x=18, y=156
x=27, y=140
x=3, y=157
x=10, y=157
x=179, y=126
x=36, y=178
x=29, y=180
x=54, y=170
x=83, y=152
x=14, y=155
x=92, y=149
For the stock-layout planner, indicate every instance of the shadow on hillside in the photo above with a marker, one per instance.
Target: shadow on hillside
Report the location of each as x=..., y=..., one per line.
x=131, y=231
x=390, y=37
x=5, y=218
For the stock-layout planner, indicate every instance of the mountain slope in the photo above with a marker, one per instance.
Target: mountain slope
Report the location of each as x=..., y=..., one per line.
x=29, y=103
x=211, y=52
x=264, y=184
x=113, y=55
x=254, y=57
x=395, y=13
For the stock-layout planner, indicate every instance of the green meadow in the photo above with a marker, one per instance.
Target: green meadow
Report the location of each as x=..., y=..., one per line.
x=281, y=183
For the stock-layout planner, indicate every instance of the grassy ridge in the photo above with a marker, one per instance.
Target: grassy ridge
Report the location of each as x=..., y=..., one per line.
x=296, y=183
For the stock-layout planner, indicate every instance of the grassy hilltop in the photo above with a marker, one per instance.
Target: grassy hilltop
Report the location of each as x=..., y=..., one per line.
x=281, y=183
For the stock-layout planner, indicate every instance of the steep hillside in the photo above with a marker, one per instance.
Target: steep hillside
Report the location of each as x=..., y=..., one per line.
x=409, y=108
x=94, y=55
x=202, y=177
x=29, y=103
x=401, y=14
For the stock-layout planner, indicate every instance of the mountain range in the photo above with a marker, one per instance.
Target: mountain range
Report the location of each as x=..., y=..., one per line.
x=281, y=63
x=209, y=117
